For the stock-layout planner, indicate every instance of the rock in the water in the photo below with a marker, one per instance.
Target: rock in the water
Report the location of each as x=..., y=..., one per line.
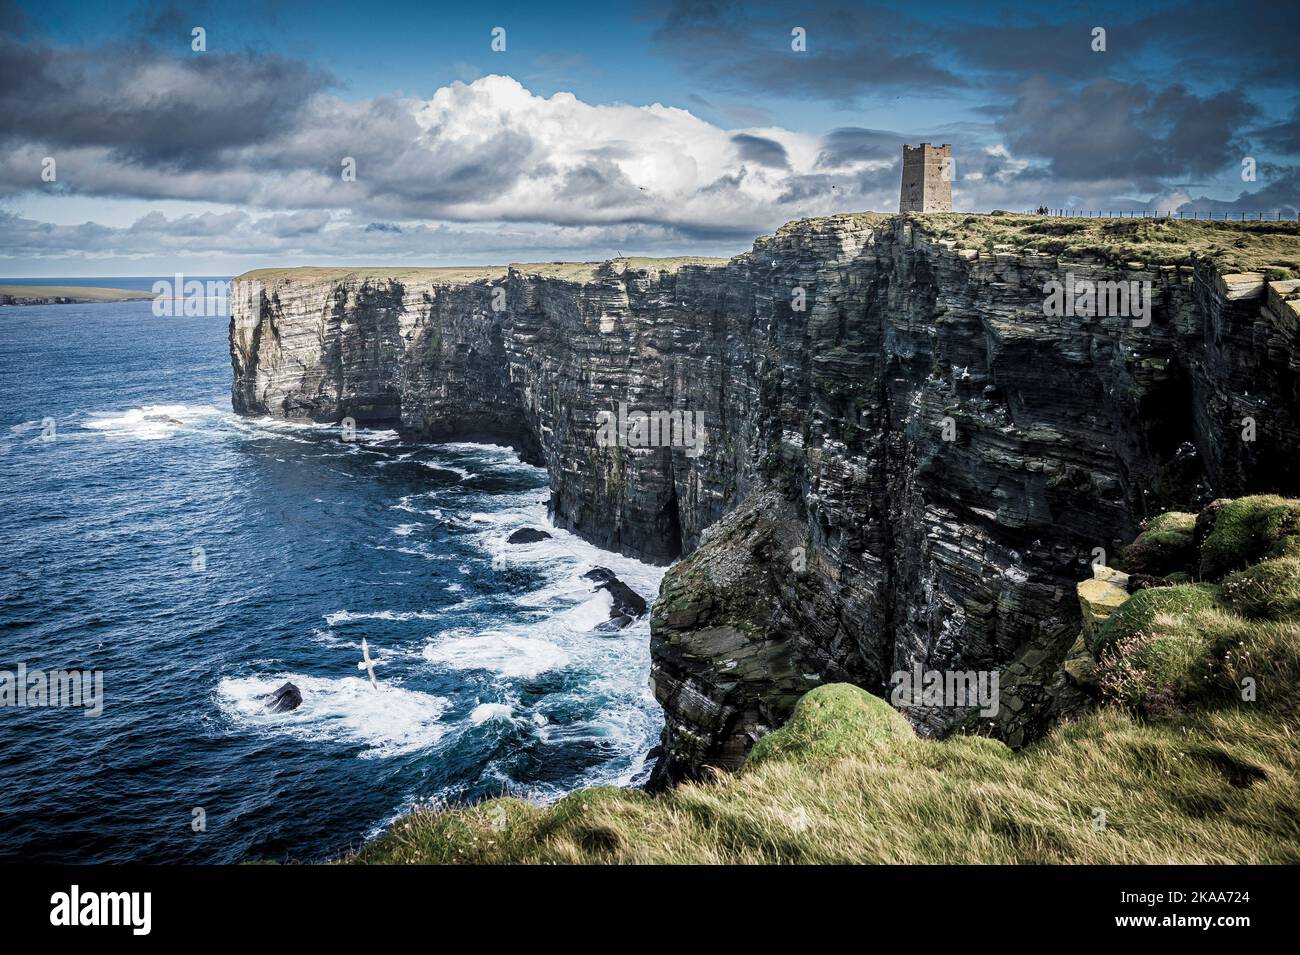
x=287, y=698
x=614, y=624
x=628, y=604
x=527, y=535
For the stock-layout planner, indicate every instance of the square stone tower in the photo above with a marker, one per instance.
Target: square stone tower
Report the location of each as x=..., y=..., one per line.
x=927, y=178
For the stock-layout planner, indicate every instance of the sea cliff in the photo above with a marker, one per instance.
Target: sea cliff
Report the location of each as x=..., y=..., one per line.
x=907, y=461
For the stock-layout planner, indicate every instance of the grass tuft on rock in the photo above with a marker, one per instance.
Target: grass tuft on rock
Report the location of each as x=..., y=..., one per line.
x=835, y=721
x=1167, y=546
x=1270, y=590
x=1138, y=614
x=1247, y=530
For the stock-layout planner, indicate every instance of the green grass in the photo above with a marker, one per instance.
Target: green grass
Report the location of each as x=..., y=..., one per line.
x=587, y=271
x=1169, y=650
x=1248, y=529
x=836, y=721
x=1184, y=661
x=1172, y=522
x=1269, y=591
x=456, y=275
x=1140, y=611
x=1217, y=788
x=77, y=293
x=1269, y=247
x=1193, y=757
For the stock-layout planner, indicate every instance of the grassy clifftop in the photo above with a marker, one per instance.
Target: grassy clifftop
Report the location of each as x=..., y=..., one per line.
x=465, y=275
x=455, y=275
x=1272, y=248
x=1180, y=763
x=1269, y=247
x=67, y=294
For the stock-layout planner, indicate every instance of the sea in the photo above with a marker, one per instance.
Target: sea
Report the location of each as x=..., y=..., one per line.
x=196, y=560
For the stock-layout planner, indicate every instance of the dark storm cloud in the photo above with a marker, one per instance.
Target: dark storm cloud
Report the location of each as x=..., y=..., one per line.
x=1280, y=191
x=760, y=149
x=859, y=50
x=872, y=50
x=1057, y=49
x=149, y=108
x=849, y=144
x=803, y=188
x=1201, y=39
x=165, y=19
x=1284, y=136
x=737, y=238
x=598, y=183
x=12, y=17
x=1109, y=129
x=1239, y=44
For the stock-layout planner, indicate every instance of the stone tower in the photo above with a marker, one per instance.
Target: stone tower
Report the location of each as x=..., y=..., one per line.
x=927, y=178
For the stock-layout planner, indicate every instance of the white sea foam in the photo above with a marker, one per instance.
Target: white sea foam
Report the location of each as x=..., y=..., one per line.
x=490, y=711
x=389, y=721
x=367, y=435
x=504, y=653
x=405, y=503
x=151, y=422
x=347, y=616
x=589, y=614
x=442, y=466
x=499, y=451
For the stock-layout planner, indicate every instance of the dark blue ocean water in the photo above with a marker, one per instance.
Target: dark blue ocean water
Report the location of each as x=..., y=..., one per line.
x=490, y=679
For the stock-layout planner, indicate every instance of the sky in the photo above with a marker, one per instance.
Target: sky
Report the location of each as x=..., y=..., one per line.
x=377, y=133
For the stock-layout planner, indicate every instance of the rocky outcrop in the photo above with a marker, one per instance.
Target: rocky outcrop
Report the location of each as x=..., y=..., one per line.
x=527, y=535
x=286, y=698
x=626, y=605
x=906, y=460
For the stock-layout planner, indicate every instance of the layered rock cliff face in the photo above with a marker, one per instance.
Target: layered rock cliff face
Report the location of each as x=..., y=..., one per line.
x=906, y=463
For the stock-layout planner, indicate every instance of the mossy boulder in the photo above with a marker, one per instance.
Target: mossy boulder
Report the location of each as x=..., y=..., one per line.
x=1247, y=530
x=1269, y=590
x=1167, y=546
x=836, y=721
x=1140, y=613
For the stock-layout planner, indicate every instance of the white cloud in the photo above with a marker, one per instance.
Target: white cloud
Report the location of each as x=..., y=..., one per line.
x=487, y=161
